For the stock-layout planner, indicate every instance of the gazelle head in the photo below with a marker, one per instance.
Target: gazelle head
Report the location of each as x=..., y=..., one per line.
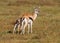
x=37, y=11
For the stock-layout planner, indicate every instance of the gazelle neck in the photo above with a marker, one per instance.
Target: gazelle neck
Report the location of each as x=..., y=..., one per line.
x=34, y=16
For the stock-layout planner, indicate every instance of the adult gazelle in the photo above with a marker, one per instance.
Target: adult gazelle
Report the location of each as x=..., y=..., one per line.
x=26, y=20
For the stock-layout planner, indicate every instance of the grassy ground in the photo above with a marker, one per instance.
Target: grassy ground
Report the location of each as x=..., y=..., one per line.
x=46, y=28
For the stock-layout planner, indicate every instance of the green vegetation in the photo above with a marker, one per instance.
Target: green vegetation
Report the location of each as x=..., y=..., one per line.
x=46, y=28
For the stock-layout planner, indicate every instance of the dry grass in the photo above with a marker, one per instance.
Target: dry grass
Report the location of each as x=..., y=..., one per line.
x=46, y=28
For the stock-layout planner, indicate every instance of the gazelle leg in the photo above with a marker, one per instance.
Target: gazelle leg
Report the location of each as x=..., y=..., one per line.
x=24, y=24
x=28, y=28
x=31, y=27
x=14, y=30
x=18, y=28
x=24, y=27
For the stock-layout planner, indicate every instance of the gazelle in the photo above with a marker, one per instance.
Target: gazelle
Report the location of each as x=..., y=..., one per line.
x=26, y=20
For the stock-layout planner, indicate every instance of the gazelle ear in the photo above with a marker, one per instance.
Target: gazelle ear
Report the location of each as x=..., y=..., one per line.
x=37, y=7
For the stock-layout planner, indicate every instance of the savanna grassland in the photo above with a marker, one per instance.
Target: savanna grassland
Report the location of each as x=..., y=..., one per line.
x=46, y=28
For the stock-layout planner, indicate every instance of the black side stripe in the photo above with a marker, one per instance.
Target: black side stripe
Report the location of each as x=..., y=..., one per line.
x=30, y=18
